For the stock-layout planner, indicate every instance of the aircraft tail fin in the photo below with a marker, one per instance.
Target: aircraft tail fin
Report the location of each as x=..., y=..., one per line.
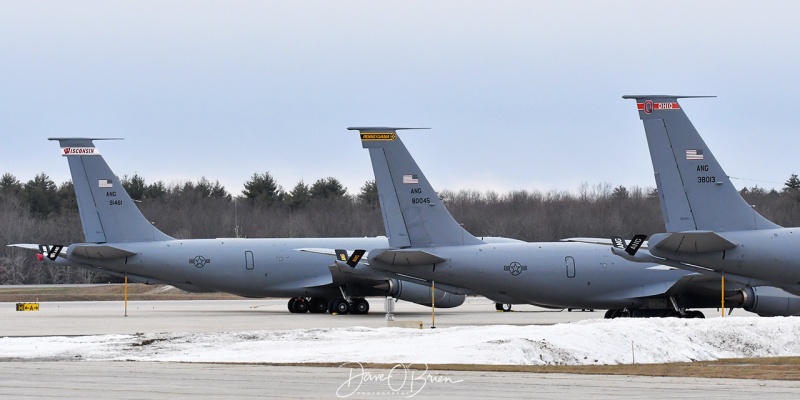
x=413, y=214
x=108, y=214
x=694, y=191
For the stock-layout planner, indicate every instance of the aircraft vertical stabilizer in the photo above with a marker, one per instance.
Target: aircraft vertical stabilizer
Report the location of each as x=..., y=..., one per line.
x=694, y=191
x=413, y=214
x=108, y=214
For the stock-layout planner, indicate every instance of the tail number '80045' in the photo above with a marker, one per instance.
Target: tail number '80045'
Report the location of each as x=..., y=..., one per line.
x=420, y=200
x=706, y=179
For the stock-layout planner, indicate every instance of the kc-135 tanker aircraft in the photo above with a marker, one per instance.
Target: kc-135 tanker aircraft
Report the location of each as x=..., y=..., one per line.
x=710, y=228
x=120, y=241
x=426, y=243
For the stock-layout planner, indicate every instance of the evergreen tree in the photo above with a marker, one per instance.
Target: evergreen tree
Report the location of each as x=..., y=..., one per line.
x=369, y=193
x=327, y=188
x=792, y=185
x=66, y=197
x=135, y=186
x=9, y=186
x=299, y=196
x=156, y=190
x=262, y=189
x=620, y=193
x=41, y=195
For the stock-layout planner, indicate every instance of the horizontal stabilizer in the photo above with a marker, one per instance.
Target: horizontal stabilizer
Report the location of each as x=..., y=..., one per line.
x=51, y=251
x=691, y=242
x=100, y=251
x=318, y=250
x=339, y=254
x=408, y=257
x=29, y=246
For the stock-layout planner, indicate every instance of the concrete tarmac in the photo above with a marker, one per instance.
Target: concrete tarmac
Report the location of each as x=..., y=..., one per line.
x=150, y=380
x=92, y=318
x=169, y=381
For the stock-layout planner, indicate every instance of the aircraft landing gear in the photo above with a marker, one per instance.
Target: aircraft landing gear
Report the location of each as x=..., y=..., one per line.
x=338, y=306
x=341, y=306
x=695, y=314
x=611, y=314
x=317, y=305
x=502, y=307
x=359, y=306
x=298, y=305
x=652, y=313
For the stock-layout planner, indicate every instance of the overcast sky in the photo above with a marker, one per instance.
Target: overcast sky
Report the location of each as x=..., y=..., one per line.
x=519, y=94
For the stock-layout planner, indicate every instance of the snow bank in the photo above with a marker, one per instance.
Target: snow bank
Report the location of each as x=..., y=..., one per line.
x=585, y=342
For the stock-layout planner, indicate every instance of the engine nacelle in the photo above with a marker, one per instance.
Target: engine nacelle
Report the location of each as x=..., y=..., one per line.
x=421, y=294
x=768, y=301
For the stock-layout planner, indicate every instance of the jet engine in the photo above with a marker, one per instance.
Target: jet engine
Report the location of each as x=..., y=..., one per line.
x=767, y=301
x=420, y=294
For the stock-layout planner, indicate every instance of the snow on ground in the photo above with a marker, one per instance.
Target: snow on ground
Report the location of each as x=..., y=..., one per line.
x=615, y=341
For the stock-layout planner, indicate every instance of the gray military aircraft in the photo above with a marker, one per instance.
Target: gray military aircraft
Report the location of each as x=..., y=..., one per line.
x=120, y=241
x=711, y=229
x=426, y=243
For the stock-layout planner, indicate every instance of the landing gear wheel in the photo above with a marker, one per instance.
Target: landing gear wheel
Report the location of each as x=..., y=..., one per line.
x=331, y=305
x=300, y=305
x=317, y=305
x=340, y=306
x=611, y=314
x=695, y=314
x=359, y=306
x=291, y=304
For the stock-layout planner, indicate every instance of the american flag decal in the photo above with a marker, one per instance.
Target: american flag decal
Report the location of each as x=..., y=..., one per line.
x=413, y=178
x=694, y=154
x=105, y=183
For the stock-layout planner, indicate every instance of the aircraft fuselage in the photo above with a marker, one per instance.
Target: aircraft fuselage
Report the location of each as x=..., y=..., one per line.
x=246, y=267
x=550, y=273
x=770, y=255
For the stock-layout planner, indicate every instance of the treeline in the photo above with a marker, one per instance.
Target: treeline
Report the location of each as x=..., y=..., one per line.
x=39, y=211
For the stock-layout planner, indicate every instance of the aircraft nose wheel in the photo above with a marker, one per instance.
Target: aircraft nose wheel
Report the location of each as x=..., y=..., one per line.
x=502, y=307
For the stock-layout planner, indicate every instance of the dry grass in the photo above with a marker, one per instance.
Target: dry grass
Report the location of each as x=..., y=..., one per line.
x=777, y=368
